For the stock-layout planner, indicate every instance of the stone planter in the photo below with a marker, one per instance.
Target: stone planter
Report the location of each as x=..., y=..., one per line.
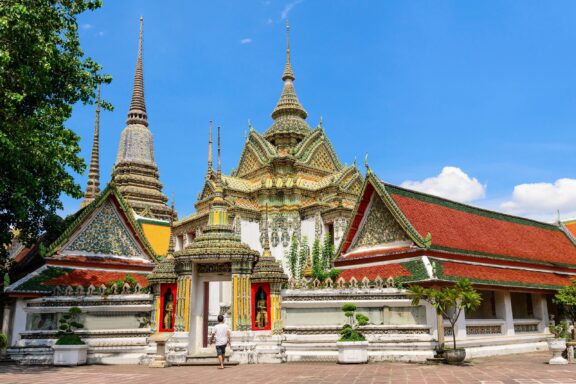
x=557, y=346
x=352, y=352
x=455, y=356
x=70, y=354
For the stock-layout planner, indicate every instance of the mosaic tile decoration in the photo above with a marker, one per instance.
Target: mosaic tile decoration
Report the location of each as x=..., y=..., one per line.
x=106, y=234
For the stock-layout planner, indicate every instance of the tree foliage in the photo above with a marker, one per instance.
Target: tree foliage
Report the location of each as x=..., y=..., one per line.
x=449, y=301
x=43, y=73
x=566, y=298
x=293, y=257
x=327, y=252
x=303, y=256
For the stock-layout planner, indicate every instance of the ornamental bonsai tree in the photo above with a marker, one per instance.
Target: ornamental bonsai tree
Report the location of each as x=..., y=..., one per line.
x=69, y=323
x=449, y=301
x=350, y=331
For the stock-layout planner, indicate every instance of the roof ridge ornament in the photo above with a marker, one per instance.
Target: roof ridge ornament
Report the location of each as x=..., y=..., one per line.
x=368, y=170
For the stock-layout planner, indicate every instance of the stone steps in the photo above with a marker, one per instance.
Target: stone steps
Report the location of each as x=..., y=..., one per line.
x=207, y=359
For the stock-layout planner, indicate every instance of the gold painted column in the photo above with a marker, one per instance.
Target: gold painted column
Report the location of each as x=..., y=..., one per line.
x=241, y=297
x=275, y=307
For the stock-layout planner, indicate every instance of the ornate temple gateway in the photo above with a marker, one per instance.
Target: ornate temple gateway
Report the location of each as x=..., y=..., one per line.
x=146, y=283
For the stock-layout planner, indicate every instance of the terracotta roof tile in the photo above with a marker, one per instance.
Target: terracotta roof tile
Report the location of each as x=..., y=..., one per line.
x=86, y=278
x=371, y=272
x=487, y=274
x=461, y=227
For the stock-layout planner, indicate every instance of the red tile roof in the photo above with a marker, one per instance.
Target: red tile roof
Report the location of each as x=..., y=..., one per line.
x=461, y=227
x=498, y=276
x=371, y=272
x=86, y=278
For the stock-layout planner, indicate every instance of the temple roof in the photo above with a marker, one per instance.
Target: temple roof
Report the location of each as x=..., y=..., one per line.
x=164, y=272
x=48, y=279
x=87, y=231
x=418, y=220
x=425, y=270
x=289, y=115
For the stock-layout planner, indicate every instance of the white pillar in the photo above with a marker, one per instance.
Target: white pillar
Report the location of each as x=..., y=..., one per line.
x=460, y=326
x=6, y=320
x=540, y=311
x=194, y=305
x=504, y=312
x=431, y=319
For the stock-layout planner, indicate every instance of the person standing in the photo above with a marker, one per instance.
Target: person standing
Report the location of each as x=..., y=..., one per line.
x=221, y=335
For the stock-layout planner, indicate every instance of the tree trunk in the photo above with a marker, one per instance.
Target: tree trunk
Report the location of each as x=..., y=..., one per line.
x=440, y=326
x=454, y=334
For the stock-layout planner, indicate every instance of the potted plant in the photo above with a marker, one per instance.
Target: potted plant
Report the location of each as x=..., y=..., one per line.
x=352, y=345
x=558, y=344
x=69, y=349
x=450, y=302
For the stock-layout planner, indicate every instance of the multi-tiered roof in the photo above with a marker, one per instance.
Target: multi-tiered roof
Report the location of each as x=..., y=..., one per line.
x=291, y=167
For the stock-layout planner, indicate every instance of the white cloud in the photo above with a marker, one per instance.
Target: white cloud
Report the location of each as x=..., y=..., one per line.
x=288, y=8
x=100, y=34
x=452, y=183
x=86, y=26
x=246, y=40
x=542, y=200
x=269, y=21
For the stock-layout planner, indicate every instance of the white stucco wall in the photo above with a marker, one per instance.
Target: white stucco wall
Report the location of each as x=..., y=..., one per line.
x=19, y=322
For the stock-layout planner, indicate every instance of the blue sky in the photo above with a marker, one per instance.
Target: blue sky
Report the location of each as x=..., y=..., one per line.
x=475, y=101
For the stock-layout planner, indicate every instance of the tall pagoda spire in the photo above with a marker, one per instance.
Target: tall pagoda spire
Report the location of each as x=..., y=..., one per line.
x=289, y=126
x=135, y=172
x=93, y=185
x=137, y=113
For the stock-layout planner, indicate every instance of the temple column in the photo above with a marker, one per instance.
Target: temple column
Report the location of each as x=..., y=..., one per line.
x=275, y=307
x=540, y=310
x=6, y=318
x=504, y=312
x=241, y=307
x=460, y=326
x=193, y=320
x=155, y=315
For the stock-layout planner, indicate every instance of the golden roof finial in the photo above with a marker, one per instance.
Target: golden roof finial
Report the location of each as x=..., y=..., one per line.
x=219, y=167
x=288, y=74
x=137, y=113
x=210, y=148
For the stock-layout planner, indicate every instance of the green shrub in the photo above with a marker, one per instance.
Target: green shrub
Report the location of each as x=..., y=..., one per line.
x=69, y=323
x=560, y=331
x=3, y=341
x=350, y=331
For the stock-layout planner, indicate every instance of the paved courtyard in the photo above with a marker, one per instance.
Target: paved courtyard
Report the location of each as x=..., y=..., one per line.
x=514, y=369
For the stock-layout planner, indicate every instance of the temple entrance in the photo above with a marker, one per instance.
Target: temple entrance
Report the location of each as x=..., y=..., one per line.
x=213, y=297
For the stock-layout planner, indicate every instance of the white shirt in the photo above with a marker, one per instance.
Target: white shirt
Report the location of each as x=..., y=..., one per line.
x=220, y=330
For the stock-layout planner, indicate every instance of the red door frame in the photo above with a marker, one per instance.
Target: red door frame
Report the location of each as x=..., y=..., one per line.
x=163, y=289
x=266, y=288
